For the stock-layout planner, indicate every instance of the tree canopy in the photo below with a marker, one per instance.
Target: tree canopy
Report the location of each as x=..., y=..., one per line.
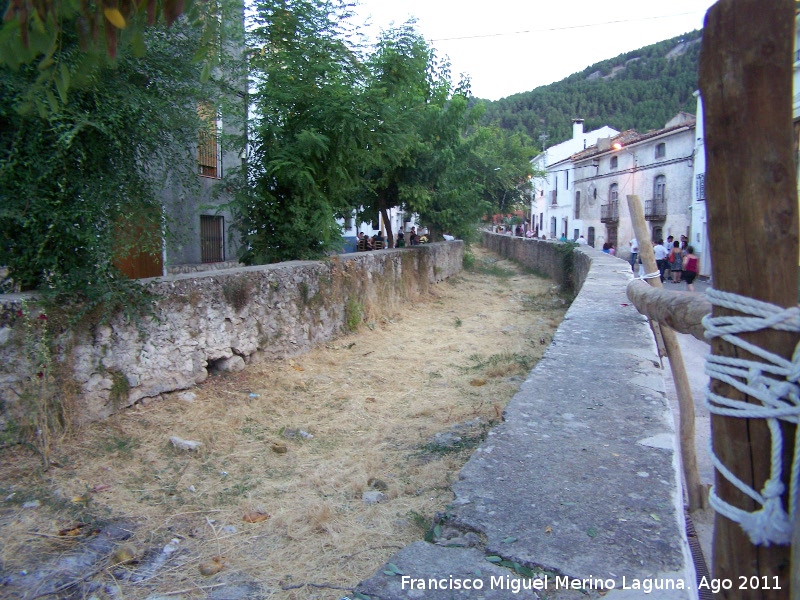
x=74, y=175
x=339, y=130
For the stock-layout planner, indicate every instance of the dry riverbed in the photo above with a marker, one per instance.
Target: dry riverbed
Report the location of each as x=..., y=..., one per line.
x=311, y=472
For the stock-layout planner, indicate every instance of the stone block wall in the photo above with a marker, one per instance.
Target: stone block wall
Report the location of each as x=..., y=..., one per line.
x=219, y=320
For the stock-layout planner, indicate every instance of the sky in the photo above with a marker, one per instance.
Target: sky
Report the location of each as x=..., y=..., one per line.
x=511, y=46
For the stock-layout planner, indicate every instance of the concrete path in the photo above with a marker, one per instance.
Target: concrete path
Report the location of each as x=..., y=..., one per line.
x=580, y=484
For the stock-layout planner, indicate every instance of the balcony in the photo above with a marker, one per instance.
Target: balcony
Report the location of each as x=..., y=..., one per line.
x=609, y=213
x=656, y=209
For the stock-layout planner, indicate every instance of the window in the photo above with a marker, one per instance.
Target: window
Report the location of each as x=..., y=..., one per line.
x=613, y=192
x=212, y=239
x=208, y=162
x=660, y=188
x=661, y=150
x=700, y=184
x=566, y=179
x=614, y=162
x=577, y=205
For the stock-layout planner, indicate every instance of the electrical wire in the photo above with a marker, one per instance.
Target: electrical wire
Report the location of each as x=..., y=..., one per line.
x=564, y=28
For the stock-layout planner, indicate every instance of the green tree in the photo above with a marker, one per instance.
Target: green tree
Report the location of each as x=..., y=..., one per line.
x=308, y=135
x=74, y=176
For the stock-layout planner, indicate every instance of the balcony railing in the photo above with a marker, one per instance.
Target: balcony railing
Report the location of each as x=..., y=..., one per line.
x=609, y=213
x=655, y=209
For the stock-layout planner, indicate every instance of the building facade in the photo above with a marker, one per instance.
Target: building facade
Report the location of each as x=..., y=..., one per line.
x=551, y=202
x=655, y=166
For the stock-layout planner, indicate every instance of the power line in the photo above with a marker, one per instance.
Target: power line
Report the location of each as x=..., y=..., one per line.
x=586, y=26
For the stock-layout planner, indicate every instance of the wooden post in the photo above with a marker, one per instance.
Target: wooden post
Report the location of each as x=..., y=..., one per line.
x=691, y=474
x=681, y=311
x=746, y=84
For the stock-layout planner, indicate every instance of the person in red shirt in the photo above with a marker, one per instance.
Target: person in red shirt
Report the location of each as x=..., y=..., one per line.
x=690, y=267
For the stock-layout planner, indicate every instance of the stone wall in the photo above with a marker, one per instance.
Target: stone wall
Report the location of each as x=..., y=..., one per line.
x=218, y=320
x=543, y=256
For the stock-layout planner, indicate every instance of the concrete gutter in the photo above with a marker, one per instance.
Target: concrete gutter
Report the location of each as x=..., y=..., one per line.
x=580, y=483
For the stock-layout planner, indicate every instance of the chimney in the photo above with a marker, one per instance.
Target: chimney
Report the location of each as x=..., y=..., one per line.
x=577, y=128
x=604, y=144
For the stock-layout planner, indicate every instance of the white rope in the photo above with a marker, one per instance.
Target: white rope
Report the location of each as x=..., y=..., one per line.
x=774, y=383
x=652, y=275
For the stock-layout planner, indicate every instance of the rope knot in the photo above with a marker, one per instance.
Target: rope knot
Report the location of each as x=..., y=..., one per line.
x=774, y=382
x=770, y=525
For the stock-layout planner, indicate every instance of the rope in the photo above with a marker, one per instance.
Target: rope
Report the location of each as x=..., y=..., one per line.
x=652, y=275
x=774, y=383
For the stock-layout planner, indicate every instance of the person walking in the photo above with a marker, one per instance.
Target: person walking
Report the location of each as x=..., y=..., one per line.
x=676, y=261
x=660, y=251
x=690, y=267
x=634, y=252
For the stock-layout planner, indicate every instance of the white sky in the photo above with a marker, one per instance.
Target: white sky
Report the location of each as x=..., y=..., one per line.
x=513, y=46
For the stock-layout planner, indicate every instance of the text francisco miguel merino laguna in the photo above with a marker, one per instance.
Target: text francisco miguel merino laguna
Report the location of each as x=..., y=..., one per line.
x=515, y=585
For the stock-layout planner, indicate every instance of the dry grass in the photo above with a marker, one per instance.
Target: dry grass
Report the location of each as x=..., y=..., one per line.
x=372, y=400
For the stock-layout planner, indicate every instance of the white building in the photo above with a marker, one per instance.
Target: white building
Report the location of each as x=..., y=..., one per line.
x=655, y=166
x=698, y=237
x=550, y=194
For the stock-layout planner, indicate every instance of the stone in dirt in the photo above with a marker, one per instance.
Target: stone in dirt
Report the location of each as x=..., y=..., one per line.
x=182, y=444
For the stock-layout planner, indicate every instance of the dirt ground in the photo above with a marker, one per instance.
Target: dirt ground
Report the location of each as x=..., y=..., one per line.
x=274, y=503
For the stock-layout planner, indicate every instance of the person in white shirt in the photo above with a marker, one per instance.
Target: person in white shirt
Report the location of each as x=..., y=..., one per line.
x=661, y=253
x=634, y=251
x=582, y=240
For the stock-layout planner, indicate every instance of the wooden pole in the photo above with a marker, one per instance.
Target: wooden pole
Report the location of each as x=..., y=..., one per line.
x=681, y=311
x=691, y=474
x=746, y=83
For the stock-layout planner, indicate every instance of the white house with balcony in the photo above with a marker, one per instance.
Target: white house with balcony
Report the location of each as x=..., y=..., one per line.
x=550, y=198
x=656, y=166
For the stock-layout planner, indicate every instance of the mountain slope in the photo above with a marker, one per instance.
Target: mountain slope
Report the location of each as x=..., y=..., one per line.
x=641, y=90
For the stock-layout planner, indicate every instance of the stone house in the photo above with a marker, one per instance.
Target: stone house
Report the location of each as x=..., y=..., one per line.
x=550, y=198
x=656, y=166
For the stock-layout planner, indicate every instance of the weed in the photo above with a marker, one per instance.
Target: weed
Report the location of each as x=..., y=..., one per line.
x=468, y=262
x=487, y=267
x=120, y=388
x=122, y=446
x=236, y=291
x=458, y=322
x=353, y=314
x=43, y=407
x=567, y=252
x=505, y=363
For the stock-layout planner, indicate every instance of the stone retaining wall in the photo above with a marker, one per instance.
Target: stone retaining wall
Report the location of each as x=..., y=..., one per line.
x=217, y=320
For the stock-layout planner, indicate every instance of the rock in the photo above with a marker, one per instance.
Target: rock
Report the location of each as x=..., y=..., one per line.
x=279, y=449
x=373, y=497
x=187, y=396
x=234, y=364
x=31, y=504
x=182, y=444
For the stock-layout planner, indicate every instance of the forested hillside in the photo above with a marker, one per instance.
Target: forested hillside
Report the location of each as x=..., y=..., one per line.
x=639, y=90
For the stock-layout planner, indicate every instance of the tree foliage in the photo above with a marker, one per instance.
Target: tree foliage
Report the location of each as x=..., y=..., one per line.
x=308, y=133
x=75, y=177
x=339, y=131
x=639, y=90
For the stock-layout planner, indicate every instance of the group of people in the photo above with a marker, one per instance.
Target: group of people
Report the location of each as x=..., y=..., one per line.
x=676, y=260
x=378, y=242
